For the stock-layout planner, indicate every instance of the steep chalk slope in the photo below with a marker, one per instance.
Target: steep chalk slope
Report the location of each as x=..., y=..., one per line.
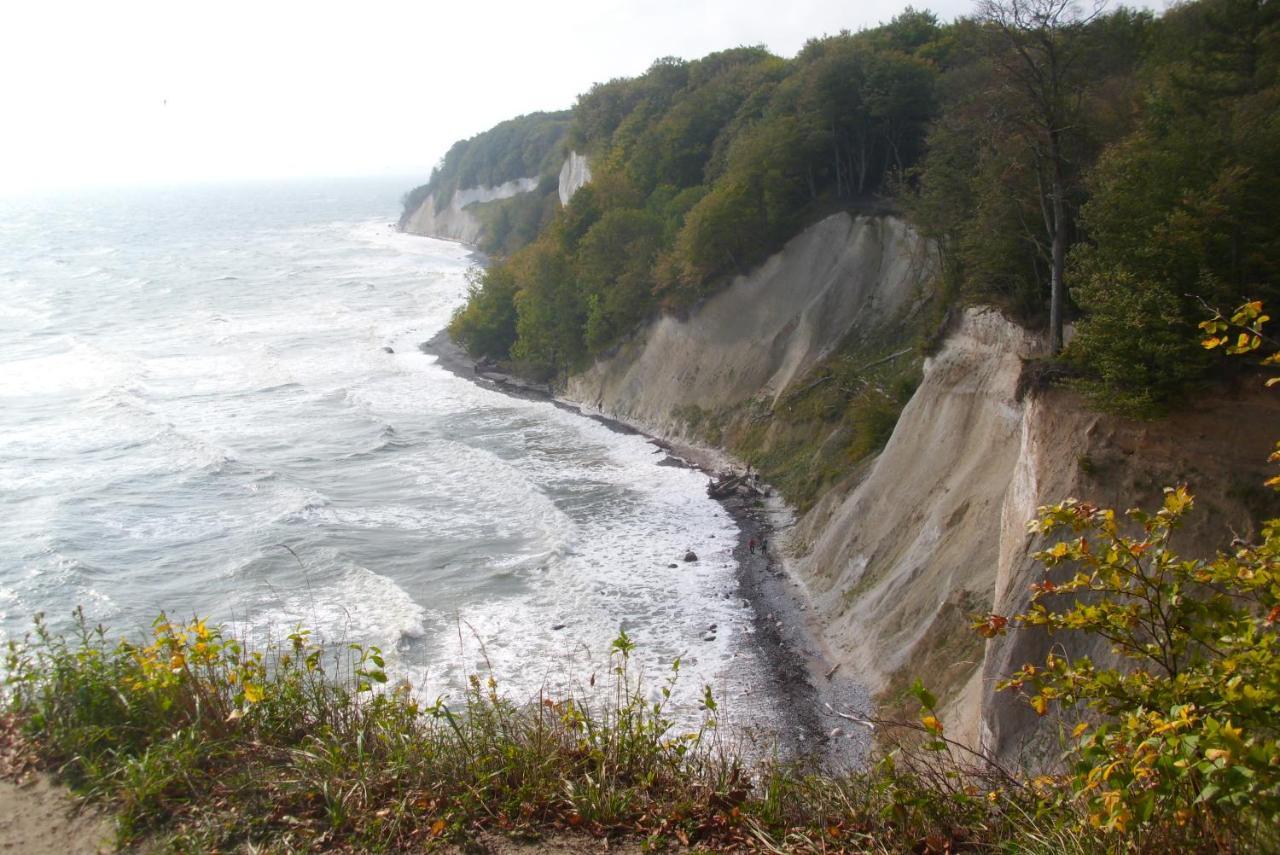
x=455, y=222
x=935, y=530
x=843, y=276
x=900, y=557
x=1218, y=447
x=896, y=565
x=573, y=175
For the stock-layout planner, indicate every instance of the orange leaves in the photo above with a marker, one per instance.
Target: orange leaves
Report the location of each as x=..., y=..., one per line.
x=1242, y=334
x=991, y=626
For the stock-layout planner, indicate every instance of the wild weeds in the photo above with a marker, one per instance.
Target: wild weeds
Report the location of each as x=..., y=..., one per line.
x=201, y=744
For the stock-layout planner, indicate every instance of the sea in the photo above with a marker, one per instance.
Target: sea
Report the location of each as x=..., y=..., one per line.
x=213, y=403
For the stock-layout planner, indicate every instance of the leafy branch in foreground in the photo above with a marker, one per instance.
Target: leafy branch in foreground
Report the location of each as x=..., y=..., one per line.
x=1188, y=726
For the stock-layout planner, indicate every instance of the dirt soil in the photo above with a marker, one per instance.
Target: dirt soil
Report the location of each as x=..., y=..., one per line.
x=492, y=844
x=41, y=817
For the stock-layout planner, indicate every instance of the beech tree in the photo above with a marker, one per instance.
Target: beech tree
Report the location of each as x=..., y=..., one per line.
x=1037, y=52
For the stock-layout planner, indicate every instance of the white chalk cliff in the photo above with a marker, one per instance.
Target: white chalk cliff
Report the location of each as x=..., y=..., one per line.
x=932, y=531
x=842, y=276
x=454, y=221
x=573, y=175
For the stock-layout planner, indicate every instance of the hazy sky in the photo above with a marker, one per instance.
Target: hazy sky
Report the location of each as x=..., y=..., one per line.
x=122, y=92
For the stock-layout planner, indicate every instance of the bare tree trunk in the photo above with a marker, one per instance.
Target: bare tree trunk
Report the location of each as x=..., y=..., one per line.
x=835, y=149
x=1057, y=291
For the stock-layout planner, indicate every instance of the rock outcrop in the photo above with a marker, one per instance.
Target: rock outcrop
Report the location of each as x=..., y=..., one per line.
x=843, y=276
x=896, y=564
x=454, y=221
x=575, y=173
x=457, y=220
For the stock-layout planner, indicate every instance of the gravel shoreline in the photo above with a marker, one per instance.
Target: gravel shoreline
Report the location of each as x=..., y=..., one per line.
x=805, y=677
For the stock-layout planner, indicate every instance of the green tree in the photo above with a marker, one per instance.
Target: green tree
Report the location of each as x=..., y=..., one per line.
x=551, y=311
x=486, y=324
x=1183, y=209
x=613, y=267
x=1037, y=51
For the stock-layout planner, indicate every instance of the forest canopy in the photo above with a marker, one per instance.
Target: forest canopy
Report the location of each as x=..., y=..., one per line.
x=1104, y=167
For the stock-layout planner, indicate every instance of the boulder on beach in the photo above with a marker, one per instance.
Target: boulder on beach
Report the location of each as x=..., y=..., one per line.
x=691, y=556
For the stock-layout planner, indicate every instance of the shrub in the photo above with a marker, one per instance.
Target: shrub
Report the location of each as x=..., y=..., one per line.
x=1188, y=727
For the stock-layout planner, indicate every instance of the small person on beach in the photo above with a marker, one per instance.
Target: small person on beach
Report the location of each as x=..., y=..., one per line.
x=751, y=544
x=764, y=544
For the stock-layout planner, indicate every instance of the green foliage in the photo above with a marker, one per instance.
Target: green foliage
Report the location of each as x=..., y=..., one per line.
x=486, y=324
x=614, y=267
x=701, y=170
x=517, y=148
x=1188, y=725
x=1190, y=729
x=1147, y=151
x=984, y=188
x=1182, y=210
x=200, y=744
x=509, y=224
x=1135, y=345
x=843, y=411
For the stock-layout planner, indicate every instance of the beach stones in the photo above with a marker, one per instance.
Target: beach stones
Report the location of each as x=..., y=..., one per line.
x=691, y=556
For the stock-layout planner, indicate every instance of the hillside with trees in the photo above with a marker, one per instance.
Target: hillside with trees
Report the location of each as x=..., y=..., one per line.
x=1107, y=168
x=529, y=146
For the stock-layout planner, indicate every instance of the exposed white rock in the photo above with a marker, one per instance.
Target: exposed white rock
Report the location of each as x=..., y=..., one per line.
x=473, y=195
x=455, y=222
x=932, y=530
x=575, y=173
x=920, y=534
x=767, y=328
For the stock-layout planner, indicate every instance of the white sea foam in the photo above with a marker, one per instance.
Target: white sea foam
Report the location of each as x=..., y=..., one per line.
x=76, y=366
x=217, y=388
x=358, y=606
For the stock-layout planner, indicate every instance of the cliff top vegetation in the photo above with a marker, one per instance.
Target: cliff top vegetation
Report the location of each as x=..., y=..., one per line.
x=527, y=146
x=1118, y=160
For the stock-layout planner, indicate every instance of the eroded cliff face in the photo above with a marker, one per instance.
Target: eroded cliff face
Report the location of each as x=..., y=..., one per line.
x=573, y=175
x=1218, y=447
x=845, y=276
x=898, y=561
x=915, y=542
x=455, y=222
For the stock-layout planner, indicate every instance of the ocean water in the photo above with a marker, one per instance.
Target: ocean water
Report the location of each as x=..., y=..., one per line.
x=192, y=380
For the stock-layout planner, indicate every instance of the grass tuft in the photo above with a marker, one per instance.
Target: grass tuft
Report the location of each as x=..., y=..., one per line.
x=198, y=743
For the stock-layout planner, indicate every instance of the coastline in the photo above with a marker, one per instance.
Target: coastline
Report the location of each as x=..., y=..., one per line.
x=805, y=676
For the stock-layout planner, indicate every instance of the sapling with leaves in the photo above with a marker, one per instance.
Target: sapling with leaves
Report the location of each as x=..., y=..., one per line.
x=1189, y=726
